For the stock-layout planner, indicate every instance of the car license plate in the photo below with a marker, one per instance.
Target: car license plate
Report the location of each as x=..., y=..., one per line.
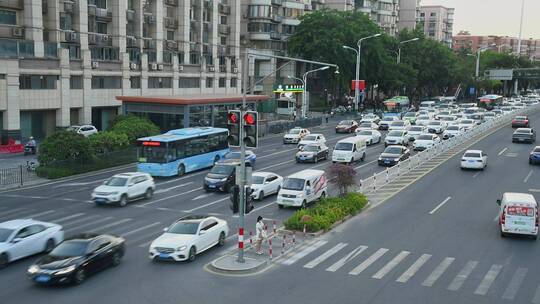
x=211, y=186
x=42, y=278
x=386, y=161
x=520, y=223
x=163, y=256
x=471, y=161
x=100, y=200
x=288, y=201
x=521, y=139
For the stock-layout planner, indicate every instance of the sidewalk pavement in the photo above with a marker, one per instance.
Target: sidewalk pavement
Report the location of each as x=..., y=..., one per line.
x=273, y=248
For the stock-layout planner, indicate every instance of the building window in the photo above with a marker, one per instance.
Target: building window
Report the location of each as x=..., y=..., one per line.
x=433, y=14
x=222, y=82
x=189, y=82
x=76, y=82
x=8, y=17
x=422, y=14
x=66, y=21
x=135, y=82
x=37, y=82
x=170, y=35
x=104, y=53
x=74, y=50
x=98, y=3
x=233, y=82
x=106, y=82
x=180, y=57
x=167, y=56
x=222, y=19
x=209, y=82
x=223, y=40
x=159, y=82
x=194, y=58
x=101, y=27
x=209, y=59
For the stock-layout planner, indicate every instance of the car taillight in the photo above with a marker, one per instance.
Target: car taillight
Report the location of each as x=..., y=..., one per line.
x=463, y=159
x=536, y=220
x=503, y=217
x=479, y=160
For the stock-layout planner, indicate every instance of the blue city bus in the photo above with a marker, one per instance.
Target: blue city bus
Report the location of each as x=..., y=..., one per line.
x=396, y=106
x=180, y=151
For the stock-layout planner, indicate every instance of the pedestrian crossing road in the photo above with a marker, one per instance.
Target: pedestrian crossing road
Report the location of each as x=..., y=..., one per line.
x=474, y=277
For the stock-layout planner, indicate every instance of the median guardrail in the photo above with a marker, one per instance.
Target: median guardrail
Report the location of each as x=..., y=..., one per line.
x=376, y=181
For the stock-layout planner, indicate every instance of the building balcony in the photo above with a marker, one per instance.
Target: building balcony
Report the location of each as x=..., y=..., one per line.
x=103, y=14
x=224, y=29
x=171, y=23
x=15, y=32
x=229, y=51
x=70, y=37
x=207, y=49
x=222, y=50
x=224, y=9
x=223, y=68
x=194, y=47
x=307, y=7
x=13, y=4
x=170, y=45
x=149, y=43
x=208, y=4
x=207, y=27
x=131, y=41
x=130, y=15
x=99, y=39
x=171, y=2
x=68, y=7
x=194, y=24
x=277, y=2
x=277, y=18
x=275, y=35
x=149, y=18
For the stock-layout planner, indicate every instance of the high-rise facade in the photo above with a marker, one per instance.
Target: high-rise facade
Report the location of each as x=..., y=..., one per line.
x=409, y=12
x=437, y=22
x=63, y=62
x=383, y=12
x=530, y=48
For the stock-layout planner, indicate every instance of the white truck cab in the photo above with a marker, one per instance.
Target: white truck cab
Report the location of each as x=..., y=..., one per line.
x=518, y=214
x=349, y=150
x=302, y=188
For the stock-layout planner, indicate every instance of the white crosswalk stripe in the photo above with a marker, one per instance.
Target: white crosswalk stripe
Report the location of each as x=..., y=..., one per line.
x=409, y=273
x=79, y=220
x=325, y=255
x=91, y=223
x=65, y=218
x=490, y=277
x=393, y=263
x=462, y=275
x=374, y=257
x=437, y=273
x=353, y=254
x=37, y=215
x=303, y=253
x=112, y=224
x=140, y=229
x=14, y=213
x=515, y=283
x=536, y=298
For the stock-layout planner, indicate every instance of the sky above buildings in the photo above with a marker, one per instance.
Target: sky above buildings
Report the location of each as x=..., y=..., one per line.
x=493, y=17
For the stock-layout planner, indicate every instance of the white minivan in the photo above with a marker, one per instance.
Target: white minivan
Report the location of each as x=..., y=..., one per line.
x=302, y=188
x=349, y=150
x=518, y=214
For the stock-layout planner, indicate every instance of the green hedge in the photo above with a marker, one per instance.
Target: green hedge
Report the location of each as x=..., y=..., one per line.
x=326, y=212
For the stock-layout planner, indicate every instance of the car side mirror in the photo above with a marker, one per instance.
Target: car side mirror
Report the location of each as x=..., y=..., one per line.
x=131, y=184
x=16, y=240
x=165, y=229
x=499, y=202
x=104, y=182
x=202, y=232
x=266, y=182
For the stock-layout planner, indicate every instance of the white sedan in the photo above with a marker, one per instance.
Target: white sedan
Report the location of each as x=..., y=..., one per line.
x=400, y=125
x=425, y=141
x=474, y=159
x=436, y=126
x=187, y=237
x=264, y=184
x=370, y=136
x=423, y=120
x=26, y=237
x=416, y=131
x=467, y=124
x=398, y=137
x=313, y=138
x=452, y=131
x=367, y=126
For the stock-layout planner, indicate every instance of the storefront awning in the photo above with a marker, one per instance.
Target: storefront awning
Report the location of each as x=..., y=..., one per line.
x=193, y=99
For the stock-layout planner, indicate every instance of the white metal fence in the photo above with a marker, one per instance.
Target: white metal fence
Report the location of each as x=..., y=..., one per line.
x=378, y=180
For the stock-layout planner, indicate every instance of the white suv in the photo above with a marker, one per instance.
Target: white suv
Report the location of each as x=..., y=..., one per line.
x=124, y=187
x=85, y=130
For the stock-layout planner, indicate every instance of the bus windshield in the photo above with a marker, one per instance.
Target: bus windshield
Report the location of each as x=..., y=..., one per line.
x=154, y=154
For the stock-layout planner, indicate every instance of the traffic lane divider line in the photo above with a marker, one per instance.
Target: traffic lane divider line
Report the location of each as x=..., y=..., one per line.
x=209, y=204
x=140, y=229
x=170, y=188
x=528, y=176
x=440, y=205
x=502, y=151
x=89, y=224
x=170, y=196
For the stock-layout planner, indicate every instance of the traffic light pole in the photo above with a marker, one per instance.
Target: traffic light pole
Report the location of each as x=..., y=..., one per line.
x=242, y=182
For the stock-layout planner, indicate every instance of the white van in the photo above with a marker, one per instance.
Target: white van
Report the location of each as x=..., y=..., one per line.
x=302, y=188
x=518, y=214
x=349, y=150
x=425, y=105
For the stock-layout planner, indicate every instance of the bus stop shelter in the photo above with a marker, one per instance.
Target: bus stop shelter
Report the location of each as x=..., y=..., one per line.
x=176, y=112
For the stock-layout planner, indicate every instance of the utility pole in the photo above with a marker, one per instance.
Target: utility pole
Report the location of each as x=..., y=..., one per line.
x=242, y=181
x=516, y=82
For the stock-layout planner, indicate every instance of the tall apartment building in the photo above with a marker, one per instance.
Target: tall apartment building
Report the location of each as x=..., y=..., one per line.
x=530, y=48
x=340, y=5
x=383, y=12
x=438, y=23
x=63, y=62
x=409, y=12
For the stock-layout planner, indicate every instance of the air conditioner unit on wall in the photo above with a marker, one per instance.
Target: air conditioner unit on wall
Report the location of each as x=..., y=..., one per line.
x=17, y=31
x=160, y=67
x=133, y=66
x=211, y=68
x=180, y=68
x=95, y=64
x=235, y=70
x=153, y=66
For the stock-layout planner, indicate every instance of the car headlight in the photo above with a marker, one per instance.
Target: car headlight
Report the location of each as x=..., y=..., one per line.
x=181, y=248
x=114, y=193
x=33, y=269
x=396, y=159
x=223, y=179
x=66, y=270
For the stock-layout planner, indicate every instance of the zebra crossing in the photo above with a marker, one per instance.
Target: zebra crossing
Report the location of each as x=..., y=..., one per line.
x=405, y=267
x=136, y=232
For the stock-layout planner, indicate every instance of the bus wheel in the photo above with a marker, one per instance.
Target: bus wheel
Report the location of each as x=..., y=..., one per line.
x=181, y=170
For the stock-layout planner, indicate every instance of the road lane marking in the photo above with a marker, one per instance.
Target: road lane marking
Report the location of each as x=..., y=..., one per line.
x=476, y=174
x=209, y=204
x=84, y=219
x=65, y=218
x=16, y=213
x=462, y=276
x=440, y=205
x=174, y=187
x=139, y=229
x=303, y=253
x=391, y=265
x=91, y=223
x=365, y=264
x=490, y=277
x=275, y=153
x=39, y=214
x=536, y=298
x=201, y=196
x=534, y=190
x=528, y=176
x=496, y=218
x=353, y=254
x=368, y=163
x=264, y=206
x=515, y=283
x=325, y=255
x=409, y=273
x=502, y=151
x=112, y=224
x=275, y=165
x=171, y=196
x=437, y=273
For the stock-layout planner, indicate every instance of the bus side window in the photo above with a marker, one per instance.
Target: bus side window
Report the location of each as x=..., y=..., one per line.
x=180, y=149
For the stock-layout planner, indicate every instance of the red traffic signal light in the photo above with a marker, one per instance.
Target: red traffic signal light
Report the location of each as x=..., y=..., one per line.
x=232, y=117
x=250, y=118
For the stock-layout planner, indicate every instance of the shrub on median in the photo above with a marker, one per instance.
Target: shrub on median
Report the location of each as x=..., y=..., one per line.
x=327, y=212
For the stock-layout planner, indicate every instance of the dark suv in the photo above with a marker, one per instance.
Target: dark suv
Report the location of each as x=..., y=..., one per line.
x=222, y=176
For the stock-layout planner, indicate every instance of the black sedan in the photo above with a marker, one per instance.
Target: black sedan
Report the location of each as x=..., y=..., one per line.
x=312, y=153
x=76, y=258
x=393, y=154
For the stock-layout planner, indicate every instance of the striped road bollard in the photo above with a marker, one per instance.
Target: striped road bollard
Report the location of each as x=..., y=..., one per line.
x=270, y=248
x=240, y=238
x=274, y=227
x=283, y=244
x=251, y=237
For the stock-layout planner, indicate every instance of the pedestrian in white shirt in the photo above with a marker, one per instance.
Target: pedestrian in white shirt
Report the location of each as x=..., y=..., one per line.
x=260, y=234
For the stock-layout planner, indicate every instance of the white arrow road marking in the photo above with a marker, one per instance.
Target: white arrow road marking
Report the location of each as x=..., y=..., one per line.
x=170, y=188
x=202, y=196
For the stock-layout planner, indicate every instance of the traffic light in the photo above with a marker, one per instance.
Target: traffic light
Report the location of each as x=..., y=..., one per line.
x=233, y=125
x=250, y=123
x=235, y=198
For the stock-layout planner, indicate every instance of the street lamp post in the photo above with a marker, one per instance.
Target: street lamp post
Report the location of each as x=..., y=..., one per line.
x=399, y=48
x=304, y=83
x=357, y=76
x=477, y=71
x=516, y=83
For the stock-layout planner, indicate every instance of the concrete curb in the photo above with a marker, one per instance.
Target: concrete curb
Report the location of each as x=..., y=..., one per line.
x=228, y=265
